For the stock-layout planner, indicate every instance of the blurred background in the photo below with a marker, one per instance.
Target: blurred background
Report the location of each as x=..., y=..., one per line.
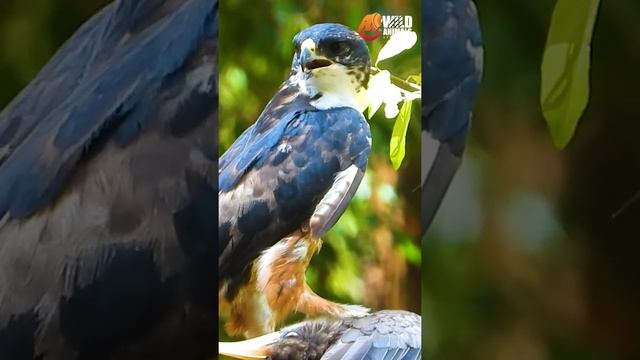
x=534, y=254
x=30, y=33
x=372, y=255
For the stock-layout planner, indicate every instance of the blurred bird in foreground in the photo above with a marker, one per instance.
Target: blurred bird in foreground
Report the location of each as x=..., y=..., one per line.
x=107, y=161
x=452, y=69
x=387, y=334
x=287, y=180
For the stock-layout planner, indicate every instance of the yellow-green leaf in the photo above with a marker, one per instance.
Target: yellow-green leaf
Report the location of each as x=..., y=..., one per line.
x=399, y=135
x=417, y=78
x=565, y=67
x=412, y=252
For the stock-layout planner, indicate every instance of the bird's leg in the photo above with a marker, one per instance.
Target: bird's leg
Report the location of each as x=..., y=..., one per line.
x=282, y=270
x=249, y=315
x=280, y=273
x=310, y=304
x=313, y=305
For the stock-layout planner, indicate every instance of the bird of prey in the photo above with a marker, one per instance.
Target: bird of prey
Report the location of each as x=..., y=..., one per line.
x=107, y=161
x=288, y=178
x=452, y=69
x=387, y=334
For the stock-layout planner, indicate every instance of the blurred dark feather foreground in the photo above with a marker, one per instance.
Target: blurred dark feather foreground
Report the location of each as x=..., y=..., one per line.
x=452, y=68
x=387, y=334
x=106, y=193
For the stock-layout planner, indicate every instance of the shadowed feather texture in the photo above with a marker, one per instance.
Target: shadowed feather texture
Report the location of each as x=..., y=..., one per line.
x=106, y=167
x=452, y=68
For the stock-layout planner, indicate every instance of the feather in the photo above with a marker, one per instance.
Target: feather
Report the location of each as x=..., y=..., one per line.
x=335, y=201
x=452, y=68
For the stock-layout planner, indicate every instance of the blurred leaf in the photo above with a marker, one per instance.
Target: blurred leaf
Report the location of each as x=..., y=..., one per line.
x=399, y=135
x=412, y=252
x=347, y=224
x=237, y=79
x=565, y=67
x=345, y=278
x=397, y=43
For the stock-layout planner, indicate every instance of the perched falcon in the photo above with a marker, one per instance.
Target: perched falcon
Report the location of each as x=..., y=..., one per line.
x=387, y=334
x=107, y=168
x=451, y=68
x=288, y=178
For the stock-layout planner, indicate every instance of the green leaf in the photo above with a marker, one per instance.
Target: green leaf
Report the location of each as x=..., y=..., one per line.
x=399, y=135
x=417, y=78
x=412, y=252
x=565, y=67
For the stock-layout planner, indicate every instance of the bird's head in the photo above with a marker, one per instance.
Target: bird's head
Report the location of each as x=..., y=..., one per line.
x=331, y=64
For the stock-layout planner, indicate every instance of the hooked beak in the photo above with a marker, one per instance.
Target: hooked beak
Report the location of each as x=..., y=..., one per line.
x=252, y=349
x=309, y=59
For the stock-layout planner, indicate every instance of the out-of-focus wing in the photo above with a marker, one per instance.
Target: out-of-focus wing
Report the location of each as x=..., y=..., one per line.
x=451, y=68
x=107, y=161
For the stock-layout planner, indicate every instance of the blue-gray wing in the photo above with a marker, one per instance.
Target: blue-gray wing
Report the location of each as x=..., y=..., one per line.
x=384, y=335
x=283, y=107
x=452, y=69
x=276, y=178
x=103, y=82
x=106, y=167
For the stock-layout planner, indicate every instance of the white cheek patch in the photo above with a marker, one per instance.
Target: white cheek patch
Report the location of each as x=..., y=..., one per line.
x=337, y=88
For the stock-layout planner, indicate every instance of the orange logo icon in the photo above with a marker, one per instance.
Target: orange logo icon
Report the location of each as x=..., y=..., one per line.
x=369, y=28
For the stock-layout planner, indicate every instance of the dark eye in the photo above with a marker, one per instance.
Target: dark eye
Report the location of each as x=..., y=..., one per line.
x=338, y=47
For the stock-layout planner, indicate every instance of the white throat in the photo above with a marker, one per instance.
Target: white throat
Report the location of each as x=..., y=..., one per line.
x=331, y=87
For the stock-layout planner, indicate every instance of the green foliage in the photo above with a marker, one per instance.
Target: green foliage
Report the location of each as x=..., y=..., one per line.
x=399, y=135
x=565, y=67
x=382, y=90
